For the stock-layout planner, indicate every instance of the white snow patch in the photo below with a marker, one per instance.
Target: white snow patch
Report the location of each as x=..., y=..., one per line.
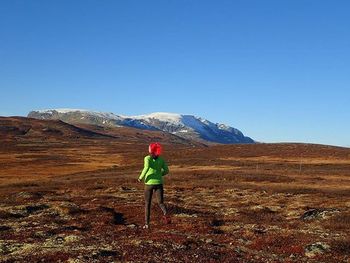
x=161, y=116
x=61, y=110
x=189, y=121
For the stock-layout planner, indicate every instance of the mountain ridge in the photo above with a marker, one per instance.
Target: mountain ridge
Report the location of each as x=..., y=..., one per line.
x=183, y=125
x=17, y=128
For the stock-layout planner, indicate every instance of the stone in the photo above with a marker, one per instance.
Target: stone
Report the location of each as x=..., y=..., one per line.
x=315, y=249
x=318, y=213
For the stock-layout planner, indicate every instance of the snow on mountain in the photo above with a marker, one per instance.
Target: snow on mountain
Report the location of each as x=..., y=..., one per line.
x=61, y=110
x=74, y=116
x=161, y=116
x=186, y=126
x=108, y=115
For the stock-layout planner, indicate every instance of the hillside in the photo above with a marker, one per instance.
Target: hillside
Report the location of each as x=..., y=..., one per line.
x=21, y=127
x=26, y=129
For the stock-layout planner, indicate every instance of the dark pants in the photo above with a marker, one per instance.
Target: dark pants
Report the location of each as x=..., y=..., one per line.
x=158, y=190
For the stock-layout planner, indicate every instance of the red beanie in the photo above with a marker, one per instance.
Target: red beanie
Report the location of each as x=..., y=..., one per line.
x=155, y=149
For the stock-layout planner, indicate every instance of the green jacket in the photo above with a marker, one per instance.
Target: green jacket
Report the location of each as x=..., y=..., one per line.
x=153, y=170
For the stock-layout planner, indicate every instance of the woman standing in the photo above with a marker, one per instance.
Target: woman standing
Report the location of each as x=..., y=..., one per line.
x=152, y=174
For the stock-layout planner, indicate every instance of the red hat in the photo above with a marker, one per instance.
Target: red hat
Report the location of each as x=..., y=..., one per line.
x=155, y=149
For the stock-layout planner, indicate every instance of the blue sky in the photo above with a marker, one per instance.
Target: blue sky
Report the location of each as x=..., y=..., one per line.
x=277, y=70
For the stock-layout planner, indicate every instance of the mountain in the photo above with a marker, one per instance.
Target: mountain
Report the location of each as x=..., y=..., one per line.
x=185, y=126
x=192, y=127
x=30, y=129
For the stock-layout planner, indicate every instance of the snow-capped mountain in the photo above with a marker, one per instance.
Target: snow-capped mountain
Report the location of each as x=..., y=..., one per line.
x=185, y=126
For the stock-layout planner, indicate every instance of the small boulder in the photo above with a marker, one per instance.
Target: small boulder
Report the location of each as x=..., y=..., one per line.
x=318, y=213
x=316, y=249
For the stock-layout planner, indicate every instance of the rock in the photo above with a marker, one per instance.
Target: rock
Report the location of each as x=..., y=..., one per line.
x=107, y=253
x=36, y=208
x=259, y=230
x=131, y=226
x=318, y=213
x=178, y=246
x=125, y=188
x=316, y=249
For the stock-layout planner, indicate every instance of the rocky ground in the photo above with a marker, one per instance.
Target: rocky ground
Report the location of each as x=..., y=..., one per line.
x=79, y=201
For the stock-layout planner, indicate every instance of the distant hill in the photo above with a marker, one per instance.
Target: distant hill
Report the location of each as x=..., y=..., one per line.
x=29, y=128
x=185, y=126
x=22, y=126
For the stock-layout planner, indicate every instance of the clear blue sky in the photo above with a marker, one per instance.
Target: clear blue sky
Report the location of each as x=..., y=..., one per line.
x=276, y=70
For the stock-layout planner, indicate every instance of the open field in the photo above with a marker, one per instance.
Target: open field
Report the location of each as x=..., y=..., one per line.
x=76, y=199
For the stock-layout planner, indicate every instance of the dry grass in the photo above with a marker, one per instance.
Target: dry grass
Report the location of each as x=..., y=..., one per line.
x=260, y=216
x=339, y=222
x=238, y=202
x=341, y=246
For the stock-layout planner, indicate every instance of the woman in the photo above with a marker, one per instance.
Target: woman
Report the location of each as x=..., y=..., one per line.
x=152, y=174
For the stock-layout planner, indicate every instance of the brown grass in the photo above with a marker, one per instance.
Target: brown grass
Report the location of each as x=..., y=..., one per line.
x=260, y=216
x=220, y=197
x=341, y=246
x=339, y=222
x=281, y=244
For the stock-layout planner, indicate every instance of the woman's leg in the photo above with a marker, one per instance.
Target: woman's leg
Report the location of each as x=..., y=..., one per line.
x=160, y=198
x=148, y=200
